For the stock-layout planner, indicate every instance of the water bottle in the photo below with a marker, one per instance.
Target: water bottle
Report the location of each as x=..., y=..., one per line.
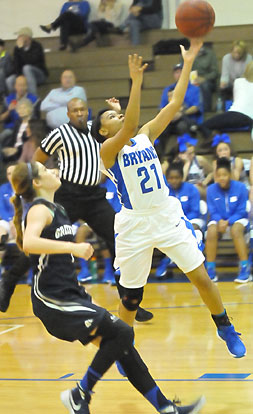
x=93, y=268
x=219, y=104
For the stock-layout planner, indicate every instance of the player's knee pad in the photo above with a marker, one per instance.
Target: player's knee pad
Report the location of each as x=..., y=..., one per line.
x=132, y=298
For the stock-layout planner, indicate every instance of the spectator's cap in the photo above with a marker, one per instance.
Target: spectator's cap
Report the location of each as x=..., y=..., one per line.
x=2, y=42
x=178, y=66
x=24, y=31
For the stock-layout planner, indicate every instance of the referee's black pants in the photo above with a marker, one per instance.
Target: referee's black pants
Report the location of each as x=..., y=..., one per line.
x=88, y=203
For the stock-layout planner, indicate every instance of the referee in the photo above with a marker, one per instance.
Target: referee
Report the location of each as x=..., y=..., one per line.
x=79, y=168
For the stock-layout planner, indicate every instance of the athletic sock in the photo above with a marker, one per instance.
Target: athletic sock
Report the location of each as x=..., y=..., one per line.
x=221, y=319
x=157, y=399
x=89, y=380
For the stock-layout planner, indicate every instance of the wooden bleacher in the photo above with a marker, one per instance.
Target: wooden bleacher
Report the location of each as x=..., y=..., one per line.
x=103, y=72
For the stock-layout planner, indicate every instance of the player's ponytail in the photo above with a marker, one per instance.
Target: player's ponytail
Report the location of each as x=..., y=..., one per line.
x=22, y=183
x=17, y=220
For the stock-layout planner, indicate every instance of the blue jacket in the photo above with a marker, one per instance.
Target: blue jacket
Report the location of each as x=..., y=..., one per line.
x=189, y=196
x=82, y=8
x=227, y=204
x=6, y=207
x=13, y=117
x=192, y=98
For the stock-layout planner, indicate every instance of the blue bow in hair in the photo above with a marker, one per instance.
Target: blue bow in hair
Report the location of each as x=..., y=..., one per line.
x=217, y=139
x=185, y=139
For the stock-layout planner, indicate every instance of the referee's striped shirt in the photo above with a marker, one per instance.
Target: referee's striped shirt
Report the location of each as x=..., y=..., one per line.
x=78, y=154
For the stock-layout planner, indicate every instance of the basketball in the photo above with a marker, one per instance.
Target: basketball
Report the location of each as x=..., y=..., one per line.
x=194, y=18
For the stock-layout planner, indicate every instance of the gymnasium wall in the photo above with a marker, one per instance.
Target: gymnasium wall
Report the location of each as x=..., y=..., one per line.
x=18, y=13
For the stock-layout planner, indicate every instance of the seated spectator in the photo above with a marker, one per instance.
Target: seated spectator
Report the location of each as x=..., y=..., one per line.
x=240, y=114
x=190, y=113
x=226, y=202
x=206, y=68
x=13, y=145
x=35, y=131
x=9, y=114
x=29, y=60
x=106, y=20
x=197, y=170
x=55, y=103
x=15, y=262
x=143, y=15
x=222, y=146
x=6, y=68
x=73, y=19
x=189, y=197
x=233, y=67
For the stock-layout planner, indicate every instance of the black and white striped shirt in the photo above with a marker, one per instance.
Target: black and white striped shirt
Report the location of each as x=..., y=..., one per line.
x=78, y=154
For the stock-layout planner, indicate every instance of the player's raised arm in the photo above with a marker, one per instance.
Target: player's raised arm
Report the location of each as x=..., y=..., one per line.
x=157, y=125
x=117, y=134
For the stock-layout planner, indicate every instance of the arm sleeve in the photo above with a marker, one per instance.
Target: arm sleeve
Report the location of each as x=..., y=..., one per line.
x=214, y=213
x=193, y=99
x=164, y=98
x=213, y=67
x=9, y=67
x=48, y=103
x=241, y=207
x=17, y=61
x=225, y=69
x=194, y=204
x=52, y=143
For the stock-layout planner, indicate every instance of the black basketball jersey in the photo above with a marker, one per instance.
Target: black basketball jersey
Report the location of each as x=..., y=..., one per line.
x=55, y=279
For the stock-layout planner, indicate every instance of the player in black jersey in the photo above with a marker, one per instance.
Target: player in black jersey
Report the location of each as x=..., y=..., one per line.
x=62, y=305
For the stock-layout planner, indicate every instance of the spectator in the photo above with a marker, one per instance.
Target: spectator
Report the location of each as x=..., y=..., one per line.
x=29, y=60
x=226, y=202
x=22, y=144
x=143, y=15
x=233, y=67
x=207, y=74
x=197, y=170
x=55, y=103
x=240, y=114
x=9, y=114
x=222, y=145
x=107, y=19
x=189, y=197
x=6, y=67
x=73, y=19
x=190, y=113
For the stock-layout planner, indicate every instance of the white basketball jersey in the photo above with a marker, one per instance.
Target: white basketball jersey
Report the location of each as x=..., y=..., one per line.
x=138, y=176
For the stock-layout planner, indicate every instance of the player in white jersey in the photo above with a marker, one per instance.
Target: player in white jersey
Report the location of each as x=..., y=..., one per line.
x=150, y=218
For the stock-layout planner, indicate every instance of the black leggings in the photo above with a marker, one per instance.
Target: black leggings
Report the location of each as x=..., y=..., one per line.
x=69, y=24
x=227, y=120
x=117, y=344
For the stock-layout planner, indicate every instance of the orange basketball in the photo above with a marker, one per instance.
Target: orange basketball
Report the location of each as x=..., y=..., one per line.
x=194, y=18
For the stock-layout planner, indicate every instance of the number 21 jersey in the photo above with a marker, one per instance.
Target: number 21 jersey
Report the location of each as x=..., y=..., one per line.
x=138, y=176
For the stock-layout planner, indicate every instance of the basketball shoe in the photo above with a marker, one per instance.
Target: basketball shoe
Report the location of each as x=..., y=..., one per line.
x=186, y=409
x=235, y=346
x=76, y=400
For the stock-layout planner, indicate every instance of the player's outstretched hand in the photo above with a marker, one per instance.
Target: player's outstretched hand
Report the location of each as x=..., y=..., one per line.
x=114, y=104
x=189, y=55
x=136, y=68
x=83, y=250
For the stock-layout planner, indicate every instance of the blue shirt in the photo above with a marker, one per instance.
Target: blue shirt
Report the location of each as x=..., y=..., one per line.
x=189, y=197
x=6, y=207
x=13, y=116
x=192, y=98
x=227, y=204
